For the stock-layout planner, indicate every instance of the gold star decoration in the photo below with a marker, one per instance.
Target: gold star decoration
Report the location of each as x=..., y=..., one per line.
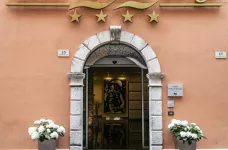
x=101, y=17
x=127, y=16
x=75, y=16
x=153, y=17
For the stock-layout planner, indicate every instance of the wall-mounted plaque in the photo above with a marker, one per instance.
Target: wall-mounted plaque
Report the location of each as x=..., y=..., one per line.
x=175, y=90
x=63, y=53
x=220, y=54
x=170, y=103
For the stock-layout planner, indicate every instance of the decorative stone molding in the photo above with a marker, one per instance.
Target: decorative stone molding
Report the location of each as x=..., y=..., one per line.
x=114, y=50
x=155, y=108
x=76, y=75
x=155, y=75
x=153, y=65
x=104, y=36
x=126, y=45
x=75, y=107
x=82, y=52
x=156, y=122
x=138, y=43
x=75, y=148
x=126, y=37
x=76, y=138
x=76, y=93
x=157, y=138
x=155, y=92
x=75, y=122
x=156, y=148
x=115, y=32
x=148, y=53
x=77, y=65
x=92, y=42
x=76, y=78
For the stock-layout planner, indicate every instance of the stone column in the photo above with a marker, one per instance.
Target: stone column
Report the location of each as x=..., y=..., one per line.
x=76, y=111
x=155, y=110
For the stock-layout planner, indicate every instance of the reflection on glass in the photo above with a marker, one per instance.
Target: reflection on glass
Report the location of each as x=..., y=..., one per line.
x=119, y=127
x=146, y=111
x=84, y=112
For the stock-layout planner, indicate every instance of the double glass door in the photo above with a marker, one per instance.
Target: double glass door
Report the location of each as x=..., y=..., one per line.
x=115, y=114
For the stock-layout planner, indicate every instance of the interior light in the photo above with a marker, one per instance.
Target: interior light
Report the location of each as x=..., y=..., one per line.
x=116, y=118
x=122, y=77
x=108, y=77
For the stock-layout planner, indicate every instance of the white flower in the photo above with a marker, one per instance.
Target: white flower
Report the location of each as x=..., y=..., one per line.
x=183, y=134
x=35, y=135
x=188, y=134
x=51, y=125
x=54, y=135
x=174, y=121
x=184, y=123
x=42, y=120
x=37, y=122
x=194, y=136
x=31, y=130
x=193, y=124
x=171, y=125
x=56, y=126
x=185, y=129
x=197, y=128
x=48, y=130
x=61, y=129
x=178, y=122
x=201, y=131
x=49, y=121
x=41, y=129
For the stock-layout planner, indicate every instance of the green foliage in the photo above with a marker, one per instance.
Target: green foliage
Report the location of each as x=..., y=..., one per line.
x=185, y=132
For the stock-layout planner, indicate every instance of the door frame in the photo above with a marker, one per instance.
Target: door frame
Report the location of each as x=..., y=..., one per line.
x=77, y=76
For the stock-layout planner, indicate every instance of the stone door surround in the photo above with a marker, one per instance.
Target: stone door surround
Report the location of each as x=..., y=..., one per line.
x=76, y=76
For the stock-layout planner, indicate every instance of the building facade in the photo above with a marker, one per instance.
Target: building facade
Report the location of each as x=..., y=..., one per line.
x=114, y=89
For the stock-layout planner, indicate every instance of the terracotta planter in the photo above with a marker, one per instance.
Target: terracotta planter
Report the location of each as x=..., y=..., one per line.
x=47, y=145
x=185, y=146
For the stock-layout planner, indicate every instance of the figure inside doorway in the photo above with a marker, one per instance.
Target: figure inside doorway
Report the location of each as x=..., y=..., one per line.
x=114, y=96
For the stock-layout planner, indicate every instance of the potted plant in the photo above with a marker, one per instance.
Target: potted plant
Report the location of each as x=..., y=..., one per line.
x=186, y=135
x=46, y=132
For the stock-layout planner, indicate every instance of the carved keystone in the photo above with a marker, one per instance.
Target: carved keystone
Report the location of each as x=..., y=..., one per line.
x=115, y=32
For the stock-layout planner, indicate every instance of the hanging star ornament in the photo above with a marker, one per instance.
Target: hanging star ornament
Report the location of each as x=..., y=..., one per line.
x=101, y=17
x=153, y=17
x=127, y=16
x=75, y=16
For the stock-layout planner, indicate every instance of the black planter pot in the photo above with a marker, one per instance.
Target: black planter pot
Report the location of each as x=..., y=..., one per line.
x=185, y=146
x=47, y=145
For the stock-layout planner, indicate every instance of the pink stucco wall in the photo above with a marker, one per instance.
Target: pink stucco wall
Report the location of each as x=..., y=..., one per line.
x=34, y=83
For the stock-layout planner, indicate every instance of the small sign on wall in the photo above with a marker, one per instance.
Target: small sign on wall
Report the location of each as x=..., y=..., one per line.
x=220, y=54
x=63, y=53
x=175, y=90
x=170, y=103
x=170, y=113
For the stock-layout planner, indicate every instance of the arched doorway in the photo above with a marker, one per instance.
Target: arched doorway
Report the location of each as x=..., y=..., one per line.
x=93, y=50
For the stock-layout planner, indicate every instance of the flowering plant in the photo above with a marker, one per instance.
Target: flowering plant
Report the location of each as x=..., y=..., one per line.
x=45, y=130
x=183, y=131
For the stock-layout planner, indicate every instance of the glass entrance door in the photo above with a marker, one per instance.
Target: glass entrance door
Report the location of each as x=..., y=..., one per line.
x=116, y=109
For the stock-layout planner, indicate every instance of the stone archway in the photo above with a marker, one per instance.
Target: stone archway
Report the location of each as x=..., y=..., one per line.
x=115, y=36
